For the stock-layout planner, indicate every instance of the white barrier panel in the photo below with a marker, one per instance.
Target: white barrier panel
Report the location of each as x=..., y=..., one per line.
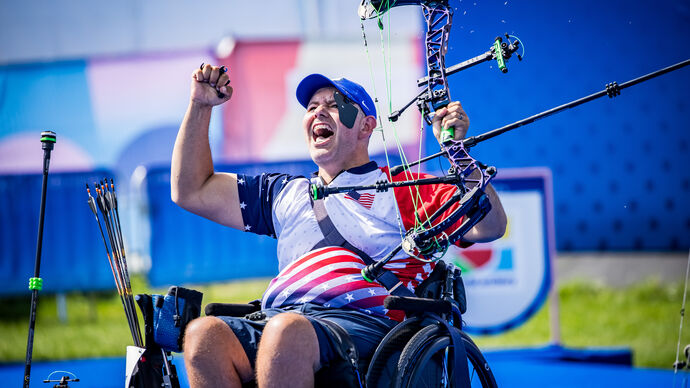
x=508, y=280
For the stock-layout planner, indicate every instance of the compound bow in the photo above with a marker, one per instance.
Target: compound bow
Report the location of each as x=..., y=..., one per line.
x=430, y=238
x=467, y=174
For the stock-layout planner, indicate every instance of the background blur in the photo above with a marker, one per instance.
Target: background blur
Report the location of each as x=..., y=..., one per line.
x=112, y=79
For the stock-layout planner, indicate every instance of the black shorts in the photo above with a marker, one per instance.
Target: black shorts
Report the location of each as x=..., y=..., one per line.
x=366, y=331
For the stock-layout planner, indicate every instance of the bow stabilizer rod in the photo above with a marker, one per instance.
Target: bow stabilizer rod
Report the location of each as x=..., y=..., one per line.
x=319, y=191
x=612, y=89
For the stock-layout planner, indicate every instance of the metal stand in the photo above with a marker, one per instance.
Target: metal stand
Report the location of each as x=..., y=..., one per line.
x=170, y=379
x=63, y=382
x=36, y=283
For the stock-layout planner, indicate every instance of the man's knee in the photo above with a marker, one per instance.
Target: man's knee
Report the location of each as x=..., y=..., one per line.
x=213, y=355
x=210, y=338
x=288, y=323
x=292, y=334
x=204, y=333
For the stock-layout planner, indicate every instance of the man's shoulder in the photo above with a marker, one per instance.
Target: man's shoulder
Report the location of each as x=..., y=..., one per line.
x=285, y=185
x=267, y=187
x=282, y=177
x=272, y=180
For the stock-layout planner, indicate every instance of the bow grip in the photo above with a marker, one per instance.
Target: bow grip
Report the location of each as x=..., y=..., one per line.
x=447, y=135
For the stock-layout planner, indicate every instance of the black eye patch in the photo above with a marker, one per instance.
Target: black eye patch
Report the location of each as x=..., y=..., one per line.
x=347, y=110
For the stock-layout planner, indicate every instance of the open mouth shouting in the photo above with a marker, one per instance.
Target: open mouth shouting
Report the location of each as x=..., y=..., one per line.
x=320, y=133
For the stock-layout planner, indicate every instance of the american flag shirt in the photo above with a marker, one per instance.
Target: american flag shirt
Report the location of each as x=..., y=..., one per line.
x=279, y=205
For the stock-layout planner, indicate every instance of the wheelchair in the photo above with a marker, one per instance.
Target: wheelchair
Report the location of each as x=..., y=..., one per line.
x=421, y=351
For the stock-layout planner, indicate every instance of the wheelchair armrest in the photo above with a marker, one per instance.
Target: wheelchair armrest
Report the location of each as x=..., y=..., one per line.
x=232, y=309
x=417, y=305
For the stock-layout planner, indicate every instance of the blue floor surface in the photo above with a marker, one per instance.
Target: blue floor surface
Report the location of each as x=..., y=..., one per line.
x=541, y=373
x=512, y=368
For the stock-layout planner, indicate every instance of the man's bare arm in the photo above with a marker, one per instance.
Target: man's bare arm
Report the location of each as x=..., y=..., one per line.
x=493, y=225
x=194, y=184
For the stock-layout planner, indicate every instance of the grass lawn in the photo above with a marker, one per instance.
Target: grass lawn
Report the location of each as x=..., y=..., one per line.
x=96, y=324
x=644, y=317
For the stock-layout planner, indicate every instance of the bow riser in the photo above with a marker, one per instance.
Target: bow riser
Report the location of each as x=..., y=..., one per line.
x=464, y=165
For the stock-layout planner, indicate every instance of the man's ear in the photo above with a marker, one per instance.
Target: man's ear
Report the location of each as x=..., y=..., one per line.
x=367, y=128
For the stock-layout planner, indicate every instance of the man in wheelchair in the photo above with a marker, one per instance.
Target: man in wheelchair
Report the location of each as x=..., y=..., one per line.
x=318, y=311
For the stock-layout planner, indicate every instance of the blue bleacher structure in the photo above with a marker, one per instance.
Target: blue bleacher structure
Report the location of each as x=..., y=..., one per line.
x=73, y=256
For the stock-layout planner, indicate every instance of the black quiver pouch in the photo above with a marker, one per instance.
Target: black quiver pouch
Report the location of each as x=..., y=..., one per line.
x=165, y=320
x=149, y=370
x=172, y=313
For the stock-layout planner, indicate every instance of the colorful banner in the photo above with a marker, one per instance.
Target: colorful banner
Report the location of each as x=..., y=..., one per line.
x=507, y=280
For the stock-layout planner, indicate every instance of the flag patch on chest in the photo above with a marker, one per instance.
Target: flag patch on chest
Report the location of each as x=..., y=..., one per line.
x=364, y=199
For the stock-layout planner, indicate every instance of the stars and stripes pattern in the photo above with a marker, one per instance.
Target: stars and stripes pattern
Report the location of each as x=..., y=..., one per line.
x=328, y=277
x=364, y=199
x=279, y=205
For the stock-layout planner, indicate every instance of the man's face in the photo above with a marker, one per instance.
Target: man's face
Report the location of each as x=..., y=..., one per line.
x=331, y=144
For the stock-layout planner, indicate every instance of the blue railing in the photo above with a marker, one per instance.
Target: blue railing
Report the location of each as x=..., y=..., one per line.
x=73, y=256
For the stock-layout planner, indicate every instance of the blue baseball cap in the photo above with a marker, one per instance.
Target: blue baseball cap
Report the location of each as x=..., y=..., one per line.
x=354, y=91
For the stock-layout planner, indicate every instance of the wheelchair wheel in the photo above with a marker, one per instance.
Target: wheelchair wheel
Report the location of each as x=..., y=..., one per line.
x=423, y=361
x=383, y=366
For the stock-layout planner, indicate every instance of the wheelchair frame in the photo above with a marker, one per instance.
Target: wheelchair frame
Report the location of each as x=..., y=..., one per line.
x=417, y=351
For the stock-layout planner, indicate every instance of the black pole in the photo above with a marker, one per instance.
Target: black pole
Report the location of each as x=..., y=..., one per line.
x=612, y=90
x=36, y=283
